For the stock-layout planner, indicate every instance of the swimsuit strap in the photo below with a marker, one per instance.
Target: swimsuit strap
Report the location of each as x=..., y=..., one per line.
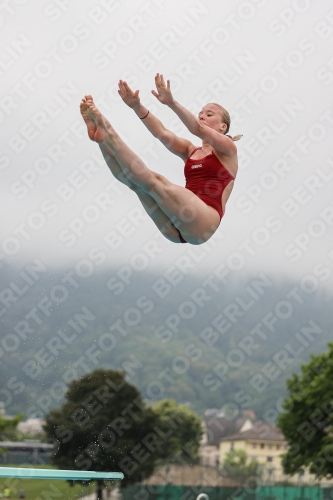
x=194, y=150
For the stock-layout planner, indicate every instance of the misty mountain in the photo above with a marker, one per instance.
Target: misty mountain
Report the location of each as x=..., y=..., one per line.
x=209, y=341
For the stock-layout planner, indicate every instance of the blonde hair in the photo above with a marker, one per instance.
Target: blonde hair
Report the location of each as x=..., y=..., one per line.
x=226, y=119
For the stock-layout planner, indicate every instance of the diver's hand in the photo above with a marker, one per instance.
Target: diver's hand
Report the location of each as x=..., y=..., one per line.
x=129, y=97
x=163, y=93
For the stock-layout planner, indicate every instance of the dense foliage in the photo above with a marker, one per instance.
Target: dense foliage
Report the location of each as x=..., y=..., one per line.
x=238, y=466
x=8, y=427
x=307, y=420
x=104, y=425
x=182, y=445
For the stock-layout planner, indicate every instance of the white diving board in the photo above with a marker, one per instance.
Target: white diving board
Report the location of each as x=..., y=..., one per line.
x=71, y=475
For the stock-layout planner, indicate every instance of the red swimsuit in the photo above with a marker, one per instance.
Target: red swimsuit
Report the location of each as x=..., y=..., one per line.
x=207, y=178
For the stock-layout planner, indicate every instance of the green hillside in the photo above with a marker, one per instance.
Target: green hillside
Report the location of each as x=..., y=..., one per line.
x=206, y=341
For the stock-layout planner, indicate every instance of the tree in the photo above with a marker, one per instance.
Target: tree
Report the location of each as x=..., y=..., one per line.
x=8, y=429
x=8, y=426
x=237, y=466
x=308, y=417
x=105, y=425
x=184, y=444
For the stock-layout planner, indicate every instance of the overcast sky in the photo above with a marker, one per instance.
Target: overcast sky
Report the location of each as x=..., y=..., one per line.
x=270, y=64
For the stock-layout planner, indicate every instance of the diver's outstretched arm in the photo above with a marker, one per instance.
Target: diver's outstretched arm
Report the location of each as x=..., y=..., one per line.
x=220, y=142
x=177, y=145
x=165, y=96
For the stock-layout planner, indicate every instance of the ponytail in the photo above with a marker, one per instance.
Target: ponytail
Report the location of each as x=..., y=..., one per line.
x=235, y=137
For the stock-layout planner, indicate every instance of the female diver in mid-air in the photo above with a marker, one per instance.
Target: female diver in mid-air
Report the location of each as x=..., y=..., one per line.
x=188, y=214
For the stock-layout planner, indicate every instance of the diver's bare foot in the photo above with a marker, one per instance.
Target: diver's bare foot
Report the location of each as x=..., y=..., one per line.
x=99, y=121
x=91, y=125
